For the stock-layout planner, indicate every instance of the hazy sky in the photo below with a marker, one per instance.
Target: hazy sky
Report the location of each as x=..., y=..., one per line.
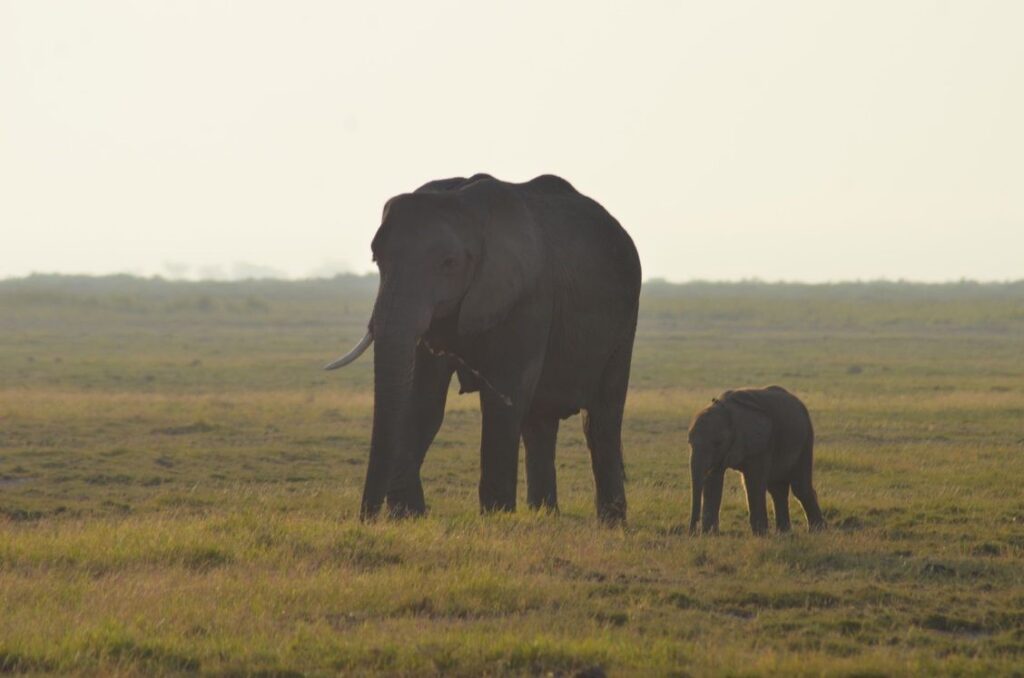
x=783, y=140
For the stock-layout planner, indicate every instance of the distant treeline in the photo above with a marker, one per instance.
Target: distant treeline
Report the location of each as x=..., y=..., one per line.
x=864, y=290
x=57, y=288
x=61, y=303
x=157, y=287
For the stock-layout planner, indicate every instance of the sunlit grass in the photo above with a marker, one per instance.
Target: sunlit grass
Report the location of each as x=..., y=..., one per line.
x=179, y=485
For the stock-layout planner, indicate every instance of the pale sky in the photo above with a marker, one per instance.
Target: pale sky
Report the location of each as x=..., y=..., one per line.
x=802, y=141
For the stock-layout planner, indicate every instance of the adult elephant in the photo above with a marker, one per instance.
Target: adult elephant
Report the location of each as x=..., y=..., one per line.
x=529, y=292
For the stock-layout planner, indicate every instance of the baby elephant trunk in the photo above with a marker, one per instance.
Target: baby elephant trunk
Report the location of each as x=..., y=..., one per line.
x=707, y=495
x=697, y=481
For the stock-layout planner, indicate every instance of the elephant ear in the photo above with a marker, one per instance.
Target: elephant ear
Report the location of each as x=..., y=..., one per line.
x=382, y=232
x=510, y=256
x=752, y=426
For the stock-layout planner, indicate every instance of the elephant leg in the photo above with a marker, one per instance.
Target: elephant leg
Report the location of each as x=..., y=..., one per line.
x=780, y=497
x=602, y=425
x=808, y=498
x=499, y=453
x=757, y=505
x=430, y=392
x=540, y=433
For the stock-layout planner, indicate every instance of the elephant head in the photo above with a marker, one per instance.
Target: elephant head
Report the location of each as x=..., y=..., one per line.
x=732, y=429
x=470, y=253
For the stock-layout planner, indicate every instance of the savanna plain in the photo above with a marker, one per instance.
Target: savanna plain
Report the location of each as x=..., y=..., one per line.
x=179, y=487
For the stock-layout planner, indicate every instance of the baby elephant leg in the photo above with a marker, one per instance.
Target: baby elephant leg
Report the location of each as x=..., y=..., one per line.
x=754, y=482
x=808, y=498
x=780, y=497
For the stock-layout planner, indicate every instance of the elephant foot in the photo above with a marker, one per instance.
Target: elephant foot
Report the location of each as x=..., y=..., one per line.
x=406, y=503
x=699, y=530
x=497, y=506
x=544, y=506
x=369, y=511
x=612, y=513
x=497, y=498
x=818, y=527
x=403, y=511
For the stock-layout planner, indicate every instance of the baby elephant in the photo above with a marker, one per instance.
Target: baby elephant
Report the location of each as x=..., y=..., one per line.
x=765, y=434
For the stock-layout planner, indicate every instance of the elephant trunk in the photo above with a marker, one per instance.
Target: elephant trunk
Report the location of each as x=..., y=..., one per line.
x=697, y=482
x=392, y=473
x=393, y=360
x=712, y=501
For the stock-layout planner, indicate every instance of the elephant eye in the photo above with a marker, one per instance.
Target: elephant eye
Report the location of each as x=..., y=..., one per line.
x=448, y=263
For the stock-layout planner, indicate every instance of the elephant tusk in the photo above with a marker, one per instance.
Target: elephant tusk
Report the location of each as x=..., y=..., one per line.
x=356, y=351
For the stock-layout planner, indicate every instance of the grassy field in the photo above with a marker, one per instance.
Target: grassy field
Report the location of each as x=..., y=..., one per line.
x=179, y=485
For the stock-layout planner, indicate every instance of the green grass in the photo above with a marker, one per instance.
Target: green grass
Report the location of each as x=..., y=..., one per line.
x=179, y=485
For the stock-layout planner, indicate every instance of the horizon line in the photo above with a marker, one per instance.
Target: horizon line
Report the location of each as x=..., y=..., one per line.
x=655, y=280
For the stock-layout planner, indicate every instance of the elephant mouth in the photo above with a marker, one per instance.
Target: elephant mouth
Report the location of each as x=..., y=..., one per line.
x=715, y=469
x=447, y=307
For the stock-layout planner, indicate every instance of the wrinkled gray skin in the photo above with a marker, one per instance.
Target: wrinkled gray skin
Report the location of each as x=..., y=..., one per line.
x=766, y=434
x=529, y=292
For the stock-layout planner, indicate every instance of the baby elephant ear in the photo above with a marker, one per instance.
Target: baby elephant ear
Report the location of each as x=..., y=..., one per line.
x=511, y=256
x=753, y=430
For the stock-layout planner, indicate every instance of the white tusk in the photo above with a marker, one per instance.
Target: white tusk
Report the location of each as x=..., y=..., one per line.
x=356, y=351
